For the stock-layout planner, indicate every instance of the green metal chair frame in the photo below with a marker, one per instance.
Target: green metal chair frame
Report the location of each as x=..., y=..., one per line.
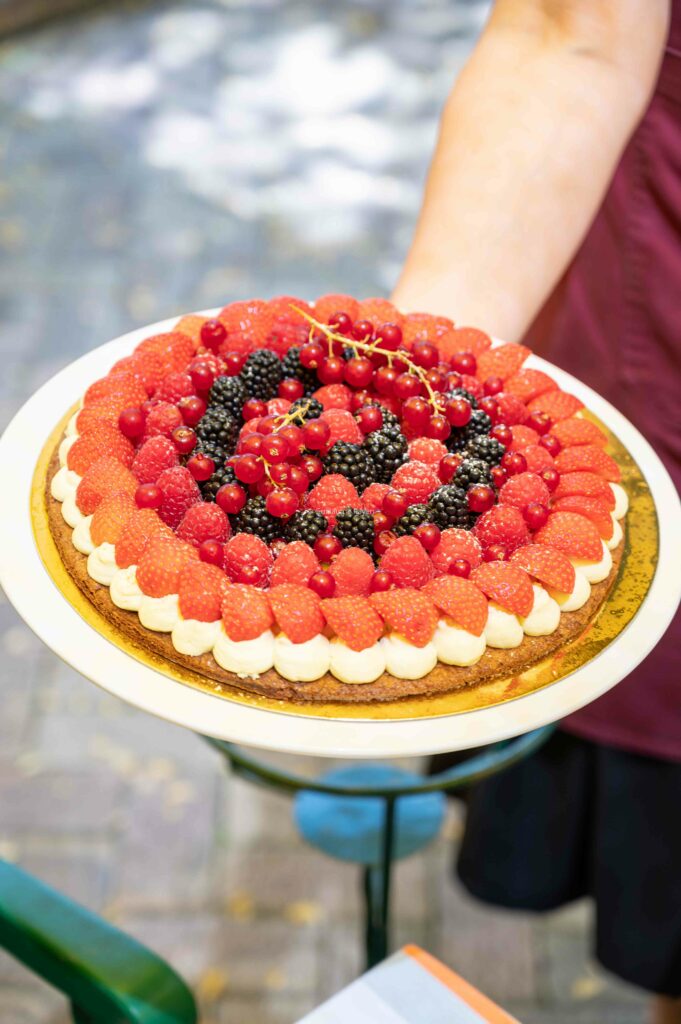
x=377, y=877
x=108, y=977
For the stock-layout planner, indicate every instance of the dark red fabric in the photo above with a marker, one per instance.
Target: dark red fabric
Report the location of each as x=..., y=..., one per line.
x=615, y=322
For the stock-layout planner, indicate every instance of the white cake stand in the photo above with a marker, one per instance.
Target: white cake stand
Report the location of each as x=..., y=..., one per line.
x=44, y=608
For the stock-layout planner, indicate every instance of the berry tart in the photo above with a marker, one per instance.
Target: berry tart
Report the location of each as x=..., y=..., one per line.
x=335, y=502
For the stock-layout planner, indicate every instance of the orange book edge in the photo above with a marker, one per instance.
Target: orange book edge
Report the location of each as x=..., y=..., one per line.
x=475, y=999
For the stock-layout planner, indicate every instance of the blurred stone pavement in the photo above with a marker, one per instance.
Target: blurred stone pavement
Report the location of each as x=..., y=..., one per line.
x=158, y=158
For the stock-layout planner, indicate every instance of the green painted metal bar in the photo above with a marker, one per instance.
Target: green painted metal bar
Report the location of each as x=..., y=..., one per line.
x=108, y=976
x=491, y=760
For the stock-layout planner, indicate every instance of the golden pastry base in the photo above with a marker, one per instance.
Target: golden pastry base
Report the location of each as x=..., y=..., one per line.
x=635, y=576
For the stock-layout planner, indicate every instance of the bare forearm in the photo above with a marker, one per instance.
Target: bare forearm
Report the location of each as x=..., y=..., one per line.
x=529, y=140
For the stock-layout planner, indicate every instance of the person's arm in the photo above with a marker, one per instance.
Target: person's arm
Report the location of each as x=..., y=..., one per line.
x=529, y=139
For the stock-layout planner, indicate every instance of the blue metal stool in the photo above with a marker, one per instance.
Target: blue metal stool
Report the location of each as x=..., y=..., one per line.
x=373, y=813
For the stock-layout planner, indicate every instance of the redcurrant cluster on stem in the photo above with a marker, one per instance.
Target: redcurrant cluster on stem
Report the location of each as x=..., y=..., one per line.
x=276, y=461
x=417, y=379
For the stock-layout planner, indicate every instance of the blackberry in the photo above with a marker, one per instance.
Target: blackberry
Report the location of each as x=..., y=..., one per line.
x=355, y=528
x=416, y=515
x=213, y=449
x=222, y=475
x=216, y=432
x=462, y=393
x=486, y=448
x=478, y=425
x=449, y=508
x=351, y=461
x=313, y=409
x=261, y=374
x=388, y=449
x=472, y=472
x=254, y=518
x=306, y=525
x=229, y=393
x=291, y=366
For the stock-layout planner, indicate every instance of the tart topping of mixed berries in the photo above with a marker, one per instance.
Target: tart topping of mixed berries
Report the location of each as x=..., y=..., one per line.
x=340, y=464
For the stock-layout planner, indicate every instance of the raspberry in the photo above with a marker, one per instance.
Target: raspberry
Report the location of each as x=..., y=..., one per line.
x=246, y=552
x=379, y=311
x=106, y=440
x=527, y=384
x=373, y=496
x=588, y=458
x=162, y=419
x=162, y=561
x=155, y=455
x=424, y=327
x=123, y=387
x=175, y=387
x=522, y=438
x=191, y=326
x=506, y=584
x=558, y=405
x=285, y=335
x=173, y=349
x=573, y=534
x=200, y=589
x=297, y=611
x=295, y=564
x=510, y=410
x=593, y=508
x=104, y=477
x=523, y=488
x=546, y=564
x=180, y=492
x=472, y=385
x=354, y=620
x=352, y=569
x=537, y=458
x=460, y=600
x=455, y=544
x=502, y=525
x=334, y=396
x=427, y=450
x=408, y=563
x=575, y=431
x=585, y=483
x=137, y=529
x=326, y=305
x=343, y=427
x=331, y=494
x=409, y=612
x=246, y=612
x=110, y=517
x=204, y=521
x=416, y=481
x=503, y=361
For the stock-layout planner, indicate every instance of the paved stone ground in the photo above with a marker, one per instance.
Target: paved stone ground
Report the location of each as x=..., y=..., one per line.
x=161, y=158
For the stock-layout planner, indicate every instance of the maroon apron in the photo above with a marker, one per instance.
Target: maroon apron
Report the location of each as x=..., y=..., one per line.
x=614, y=321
